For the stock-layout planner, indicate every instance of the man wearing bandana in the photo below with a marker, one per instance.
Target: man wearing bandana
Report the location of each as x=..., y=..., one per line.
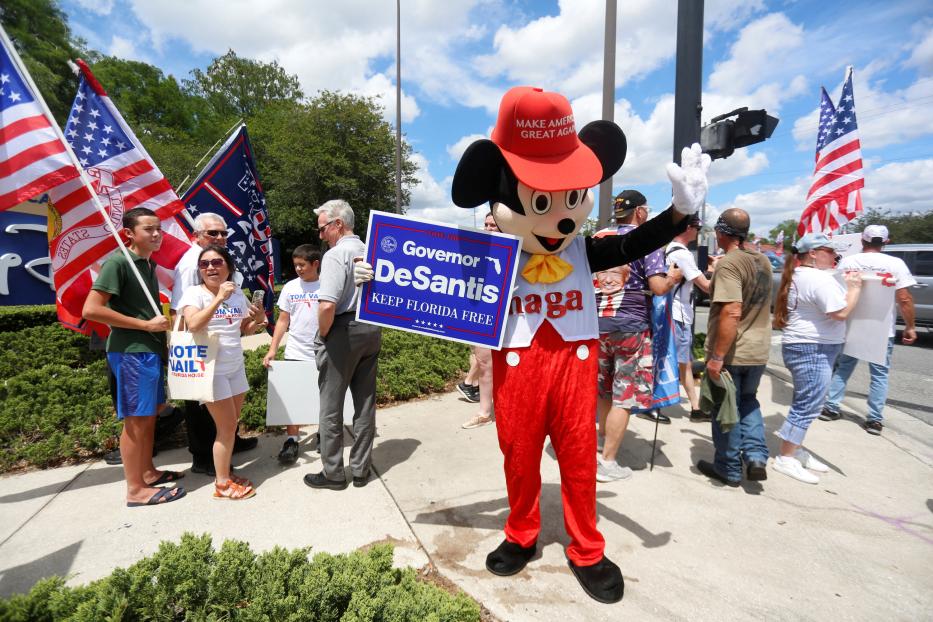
x=738, y=340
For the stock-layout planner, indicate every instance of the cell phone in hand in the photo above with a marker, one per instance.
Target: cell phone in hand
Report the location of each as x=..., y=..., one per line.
x=258, y=296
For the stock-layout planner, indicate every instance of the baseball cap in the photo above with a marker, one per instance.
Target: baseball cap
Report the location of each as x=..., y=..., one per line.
x=536, y=134
x=626, y=201
x=876, y=234
x=813, y=241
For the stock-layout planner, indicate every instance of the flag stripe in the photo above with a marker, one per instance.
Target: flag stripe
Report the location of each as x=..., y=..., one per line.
x=837, y=153
x=833, y=179
x=29, y=156
x=22, y=126
x=36, y=186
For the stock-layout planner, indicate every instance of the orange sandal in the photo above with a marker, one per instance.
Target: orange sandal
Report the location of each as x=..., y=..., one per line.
x=233, y=491
x=242, y=481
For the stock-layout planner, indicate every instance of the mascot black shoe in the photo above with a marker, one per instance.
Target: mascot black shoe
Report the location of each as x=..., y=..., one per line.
x=509, y=558
x=602, y=581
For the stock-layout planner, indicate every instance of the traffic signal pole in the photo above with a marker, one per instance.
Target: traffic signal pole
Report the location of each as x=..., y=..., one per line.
x=689, y=80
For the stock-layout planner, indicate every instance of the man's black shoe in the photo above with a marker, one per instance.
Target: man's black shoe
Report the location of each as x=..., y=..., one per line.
x=115, y=458
x=873, y=427
x=289, y=453
x=655, y=415
x=830, y=415
x=203, y=466
x=509, y=558
x=317, y=480
x=707, y=469
x=602, y=581
x=360, y=481
x=241, y=443
x=698, y=416
x=756, y=471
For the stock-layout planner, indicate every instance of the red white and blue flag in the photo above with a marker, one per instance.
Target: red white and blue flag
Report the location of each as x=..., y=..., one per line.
x=229, y=187
x=124, y=177
x=32, y=156
x=835, y=194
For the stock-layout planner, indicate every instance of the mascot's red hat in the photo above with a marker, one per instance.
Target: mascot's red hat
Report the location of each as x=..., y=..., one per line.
x=536, y=137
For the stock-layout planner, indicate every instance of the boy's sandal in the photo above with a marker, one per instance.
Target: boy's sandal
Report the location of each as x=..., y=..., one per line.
x=160, y=497
x=232, y=491
x=242, y=481
x=167, y=477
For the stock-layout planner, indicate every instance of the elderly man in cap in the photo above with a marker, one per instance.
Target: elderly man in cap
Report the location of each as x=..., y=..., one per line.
x=738, y=342
x=894, y=273
x=626, y=367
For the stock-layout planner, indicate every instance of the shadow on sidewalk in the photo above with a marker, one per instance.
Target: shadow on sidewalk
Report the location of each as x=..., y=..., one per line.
x=392, y=452
x=84, y=479
x=20, y=579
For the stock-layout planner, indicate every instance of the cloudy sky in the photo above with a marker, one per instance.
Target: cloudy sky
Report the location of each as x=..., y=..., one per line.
x=460, y=56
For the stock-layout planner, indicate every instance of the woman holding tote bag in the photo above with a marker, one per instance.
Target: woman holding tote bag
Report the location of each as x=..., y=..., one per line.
x=219, y=306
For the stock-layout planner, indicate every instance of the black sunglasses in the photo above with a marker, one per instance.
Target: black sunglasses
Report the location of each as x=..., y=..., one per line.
x=215, y=262
x=215, y=233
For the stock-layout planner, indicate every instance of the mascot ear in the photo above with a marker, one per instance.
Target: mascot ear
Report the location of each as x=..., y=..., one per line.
x=607, y=141
x=476, y=179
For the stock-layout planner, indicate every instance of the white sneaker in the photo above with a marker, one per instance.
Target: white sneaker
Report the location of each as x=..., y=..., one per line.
x=792, y=468
x=809, y=462
x=610, y=470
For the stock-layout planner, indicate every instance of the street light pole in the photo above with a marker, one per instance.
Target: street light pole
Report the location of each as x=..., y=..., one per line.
x=398, y=106
x=609, y=91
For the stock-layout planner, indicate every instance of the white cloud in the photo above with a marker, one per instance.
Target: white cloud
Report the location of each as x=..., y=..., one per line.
x=100, y=7
x=455, y=151
x=921, y=56
x=124, y=48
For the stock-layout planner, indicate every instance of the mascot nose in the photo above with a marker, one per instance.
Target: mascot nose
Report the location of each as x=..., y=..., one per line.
x=566, y=226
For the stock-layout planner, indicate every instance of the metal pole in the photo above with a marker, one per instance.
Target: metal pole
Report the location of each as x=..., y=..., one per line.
x=609, y=91
x=398, y=106
x=688, y=87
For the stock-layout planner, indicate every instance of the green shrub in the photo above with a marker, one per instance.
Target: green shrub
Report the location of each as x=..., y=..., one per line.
x=699, y=352
x=54, y=413
x=24, y=316
x=38, y=346
x=191, y=581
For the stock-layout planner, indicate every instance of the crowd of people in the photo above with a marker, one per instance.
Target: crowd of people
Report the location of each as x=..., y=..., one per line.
x=317, y=313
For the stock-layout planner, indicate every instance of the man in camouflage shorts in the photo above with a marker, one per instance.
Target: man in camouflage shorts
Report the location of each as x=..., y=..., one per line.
x=626, y=367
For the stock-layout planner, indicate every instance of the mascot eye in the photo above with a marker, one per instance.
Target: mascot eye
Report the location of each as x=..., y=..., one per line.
x=541, y=202
x=573, y=198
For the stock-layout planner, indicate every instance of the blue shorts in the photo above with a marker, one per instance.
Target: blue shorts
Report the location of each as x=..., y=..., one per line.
x=140, y=383
x=683, y=338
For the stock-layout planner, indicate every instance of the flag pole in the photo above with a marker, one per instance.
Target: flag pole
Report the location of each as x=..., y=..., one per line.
x=14, y=56
x=209, y=152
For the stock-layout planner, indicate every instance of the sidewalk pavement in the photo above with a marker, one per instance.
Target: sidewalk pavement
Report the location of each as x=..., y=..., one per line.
x=856, y=546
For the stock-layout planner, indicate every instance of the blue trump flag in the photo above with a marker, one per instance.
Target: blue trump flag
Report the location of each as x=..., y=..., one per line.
x=437, y=279
x=229, y=186
x=664, y=351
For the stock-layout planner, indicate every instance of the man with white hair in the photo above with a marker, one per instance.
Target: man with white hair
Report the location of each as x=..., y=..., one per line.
x=894, y=273
x=347, y=354
x=209, y=229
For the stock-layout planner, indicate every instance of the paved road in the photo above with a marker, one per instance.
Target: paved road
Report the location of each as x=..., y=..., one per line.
x=910, y=382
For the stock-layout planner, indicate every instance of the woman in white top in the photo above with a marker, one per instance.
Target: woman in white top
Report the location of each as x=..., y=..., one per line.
x=219, y=306
x=811, y=308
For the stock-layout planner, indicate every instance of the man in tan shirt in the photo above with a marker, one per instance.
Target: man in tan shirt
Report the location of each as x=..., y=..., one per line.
x=739, y=340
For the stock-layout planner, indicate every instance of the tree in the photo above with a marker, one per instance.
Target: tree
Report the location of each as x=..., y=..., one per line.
x=241, y=87
x=334, y=146
x=789, y=227
x=903, y=228
x=39, y=30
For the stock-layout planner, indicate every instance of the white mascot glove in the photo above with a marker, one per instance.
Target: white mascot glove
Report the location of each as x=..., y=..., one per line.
x=689, y=180
x=362, y=271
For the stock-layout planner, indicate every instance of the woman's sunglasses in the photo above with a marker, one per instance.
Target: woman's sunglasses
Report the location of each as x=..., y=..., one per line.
x=215, y=262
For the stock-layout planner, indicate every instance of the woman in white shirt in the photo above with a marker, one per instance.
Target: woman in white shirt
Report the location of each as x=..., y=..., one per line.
x=811, y=308
x=219, y=306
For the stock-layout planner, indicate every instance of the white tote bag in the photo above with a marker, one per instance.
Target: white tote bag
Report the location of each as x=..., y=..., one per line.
x=191, y=358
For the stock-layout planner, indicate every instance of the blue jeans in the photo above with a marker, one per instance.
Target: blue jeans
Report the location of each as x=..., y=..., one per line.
x=811, y=367
x=877, y=387
x=746, y=441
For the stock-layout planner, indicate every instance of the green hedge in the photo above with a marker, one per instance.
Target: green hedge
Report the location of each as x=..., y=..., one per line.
x=20, y=317
x=33, y=348
x=192, y=581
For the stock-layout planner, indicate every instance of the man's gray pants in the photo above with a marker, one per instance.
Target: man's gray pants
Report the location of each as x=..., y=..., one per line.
x=348, y=359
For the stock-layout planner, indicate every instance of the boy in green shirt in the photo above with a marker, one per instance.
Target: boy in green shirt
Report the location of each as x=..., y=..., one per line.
x=135, y=351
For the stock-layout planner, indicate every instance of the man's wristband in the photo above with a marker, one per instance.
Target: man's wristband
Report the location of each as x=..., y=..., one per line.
x=714, y=357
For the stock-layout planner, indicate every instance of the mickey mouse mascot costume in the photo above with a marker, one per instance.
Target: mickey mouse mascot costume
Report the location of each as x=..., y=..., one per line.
x=535, y=173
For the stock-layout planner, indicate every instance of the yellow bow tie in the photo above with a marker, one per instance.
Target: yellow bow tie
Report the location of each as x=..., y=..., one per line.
x=546, y=269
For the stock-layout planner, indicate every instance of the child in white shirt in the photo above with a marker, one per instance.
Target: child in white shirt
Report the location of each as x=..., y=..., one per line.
x=298, y=304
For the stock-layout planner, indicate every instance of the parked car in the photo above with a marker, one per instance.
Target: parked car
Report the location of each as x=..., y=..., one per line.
x=919, y=259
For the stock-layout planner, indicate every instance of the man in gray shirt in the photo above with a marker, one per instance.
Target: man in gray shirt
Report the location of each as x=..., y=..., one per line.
x=347, y=354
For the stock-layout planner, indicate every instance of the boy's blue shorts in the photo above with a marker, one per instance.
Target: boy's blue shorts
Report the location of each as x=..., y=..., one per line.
x=140, y=383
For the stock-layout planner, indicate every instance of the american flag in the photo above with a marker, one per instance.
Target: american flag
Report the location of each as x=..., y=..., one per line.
x=835, y=195
x=32, y=156
x=124, y=177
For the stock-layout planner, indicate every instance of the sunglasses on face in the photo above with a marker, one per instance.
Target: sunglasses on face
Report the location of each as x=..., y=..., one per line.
x=215, y=233
x=215, y=262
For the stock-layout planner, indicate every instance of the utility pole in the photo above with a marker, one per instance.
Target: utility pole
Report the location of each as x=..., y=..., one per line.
x=609, y=92
x=398, y=106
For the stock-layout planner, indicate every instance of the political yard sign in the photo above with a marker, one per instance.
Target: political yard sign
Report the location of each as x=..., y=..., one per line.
x=436, y=279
